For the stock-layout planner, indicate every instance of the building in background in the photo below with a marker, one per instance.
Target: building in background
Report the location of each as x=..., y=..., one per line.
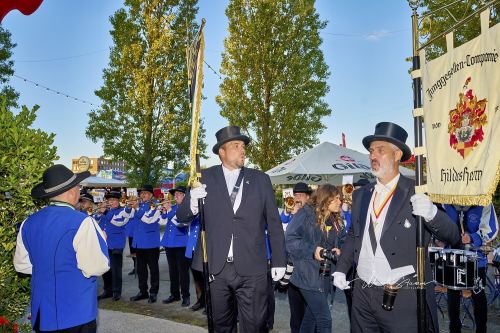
x=96, y=164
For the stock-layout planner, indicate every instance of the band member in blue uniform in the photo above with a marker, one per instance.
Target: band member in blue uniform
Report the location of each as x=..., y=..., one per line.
x=199, y=283
x=64, y=250
x=175, y=240
x=132, y=202
x=147, y=243
x=477, y=225
x=86, y=203
x=114, y=225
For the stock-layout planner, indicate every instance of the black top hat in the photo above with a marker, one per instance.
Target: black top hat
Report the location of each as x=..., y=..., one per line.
x=226, y=134
x=57, y=179
x=362, y=182
x=86, y=196
x=392, y=133
x=147, y=188
x=181, y=189
x=302, y=188
x=113, y=194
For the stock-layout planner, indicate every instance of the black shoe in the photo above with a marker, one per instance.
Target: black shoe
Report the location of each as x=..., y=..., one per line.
x=185, y=302
x=139, y=296
x=104, y=295
x=116, y=297
x=171, y=299
x=132, y=272
x=152, y=298
x=197, y=306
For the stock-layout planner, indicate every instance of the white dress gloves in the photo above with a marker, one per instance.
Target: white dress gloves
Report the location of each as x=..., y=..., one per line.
x=423, y=206
x=340, y=281
x=277, y=273
x=197, y=193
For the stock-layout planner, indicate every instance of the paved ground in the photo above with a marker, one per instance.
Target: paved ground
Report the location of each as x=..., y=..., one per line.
x=141, y=317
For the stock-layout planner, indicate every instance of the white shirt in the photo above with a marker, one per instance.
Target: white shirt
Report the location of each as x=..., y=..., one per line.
x=374, y=268
x=231, y=176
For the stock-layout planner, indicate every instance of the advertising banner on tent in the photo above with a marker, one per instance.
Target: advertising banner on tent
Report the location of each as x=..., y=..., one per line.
x=462, y=119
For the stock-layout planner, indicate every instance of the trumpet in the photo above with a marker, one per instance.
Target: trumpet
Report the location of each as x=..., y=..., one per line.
x=347, y=190
x=123, y=200
x=130, y=203
x=289, y=204
x=90, y=210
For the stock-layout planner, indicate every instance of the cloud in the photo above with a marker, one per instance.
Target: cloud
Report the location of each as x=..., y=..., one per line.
x=377, y=35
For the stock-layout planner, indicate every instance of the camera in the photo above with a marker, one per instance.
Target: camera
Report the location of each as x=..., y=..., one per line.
x=282, y=284
x=329, y=255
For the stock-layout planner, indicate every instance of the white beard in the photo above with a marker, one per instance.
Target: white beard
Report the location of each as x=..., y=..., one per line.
x=383, y=170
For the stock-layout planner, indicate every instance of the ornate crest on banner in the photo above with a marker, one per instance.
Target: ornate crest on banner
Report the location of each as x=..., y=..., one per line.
x=467, y=121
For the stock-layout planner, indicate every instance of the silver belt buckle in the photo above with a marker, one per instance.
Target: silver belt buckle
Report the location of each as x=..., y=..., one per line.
x=230, y=259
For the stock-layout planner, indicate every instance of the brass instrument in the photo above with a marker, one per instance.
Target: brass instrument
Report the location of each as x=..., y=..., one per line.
x=129, y=203
x=90, y=210
x=289, y=204
x=123, y=199
x=347, y=190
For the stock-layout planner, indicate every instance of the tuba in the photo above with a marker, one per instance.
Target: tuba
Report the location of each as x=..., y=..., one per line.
x=289, y=204
x=347, y=190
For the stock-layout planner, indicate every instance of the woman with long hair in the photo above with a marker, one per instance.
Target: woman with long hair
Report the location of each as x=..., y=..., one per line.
x=307, y=246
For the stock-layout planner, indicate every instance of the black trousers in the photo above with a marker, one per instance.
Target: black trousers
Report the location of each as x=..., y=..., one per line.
x=199, y=284
x=178, y=269
x=271, y=302
x=113, y=278
x=90, y=327
x=132, y=249
x=480, y=307
x=148, y=258
x=248, y=294
x=297, y=307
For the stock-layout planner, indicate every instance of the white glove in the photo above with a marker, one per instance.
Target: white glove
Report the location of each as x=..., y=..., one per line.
x=197, y=193
x=277, y=273
x=423, y=206
x=340, y=281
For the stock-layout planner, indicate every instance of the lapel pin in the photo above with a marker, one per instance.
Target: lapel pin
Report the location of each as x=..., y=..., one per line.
x=247, y=182
x=407, y=224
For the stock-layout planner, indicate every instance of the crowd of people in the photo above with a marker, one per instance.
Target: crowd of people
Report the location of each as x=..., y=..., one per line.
x=321, y=240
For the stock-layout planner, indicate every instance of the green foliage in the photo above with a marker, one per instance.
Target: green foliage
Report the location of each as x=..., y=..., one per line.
x=275, y=77
x=144, y=118
x=6, y=68
x=442, y=20
x=26, y=153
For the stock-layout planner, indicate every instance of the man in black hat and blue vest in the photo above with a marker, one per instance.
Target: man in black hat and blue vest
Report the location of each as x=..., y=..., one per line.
x=64, y=250
x=239, y=203
x=381, y=243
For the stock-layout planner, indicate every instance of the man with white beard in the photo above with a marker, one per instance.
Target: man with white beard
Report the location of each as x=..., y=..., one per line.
x=381, y=243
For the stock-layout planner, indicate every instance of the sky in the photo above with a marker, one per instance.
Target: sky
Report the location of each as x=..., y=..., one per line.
x=64, y=46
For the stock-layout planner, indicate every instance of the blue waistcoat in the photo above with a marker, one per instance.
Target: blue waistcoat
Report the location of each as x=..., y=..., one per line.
x=116, y=236
x=194, y=231
x=60, y=294
x=174, y=236
x=146, y=236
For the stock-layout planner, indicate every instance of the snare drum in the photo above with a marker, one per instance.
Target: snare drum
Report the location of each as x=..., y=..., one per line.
x=454, y=269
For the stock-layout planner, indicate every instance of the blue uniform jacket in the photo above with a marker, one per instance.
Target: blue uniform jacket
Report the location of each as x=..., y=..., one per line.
x=146, y=235
x=116, y=235
x=194, y=231
x=174, y=236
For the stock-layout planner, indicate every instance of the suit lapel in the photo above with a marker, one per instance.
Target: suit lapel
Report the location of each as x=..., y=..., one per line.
x=246, y=182
x=397, y=203
x=365, y=203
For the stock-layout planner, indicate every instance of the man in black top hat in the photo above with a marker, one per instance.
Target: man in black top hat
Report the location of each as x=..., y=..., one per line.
x=381, y=243
x=239, y=204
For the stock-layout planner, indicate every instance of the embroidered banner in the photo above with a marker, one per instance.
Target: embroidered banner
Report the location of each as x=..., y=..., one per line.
x=462, y=119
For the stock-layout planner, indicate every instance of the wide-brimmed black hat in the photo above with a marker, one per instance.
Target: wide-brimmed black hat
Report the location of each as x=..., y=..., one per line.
x=181, y=189
x=86, y=196
x=302, y=188
x=147, y=188
x=57, y=179
x=113, y=194
x=392, y=133
x=226, y=134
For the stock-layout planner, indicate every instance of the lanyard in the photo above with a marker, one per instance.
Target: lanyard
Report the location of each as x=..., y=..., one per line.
x=380, y=209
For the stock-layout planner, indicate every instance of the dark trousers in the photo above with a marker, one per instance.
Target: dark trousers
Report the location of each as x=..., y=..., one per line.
x=317, y=317
x=113, y=278
x=90, y=327
x=297, y=307
x=480, y=307
x=178, y=269
x=248, y=294
x=271, y=302
x=148, y=258
x=132, y=249
x=199, y=285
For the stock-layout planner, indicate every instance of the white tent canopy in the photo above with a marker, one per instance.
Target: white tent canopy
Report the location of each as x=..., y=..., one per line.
x=325, y=163
x=93, y=181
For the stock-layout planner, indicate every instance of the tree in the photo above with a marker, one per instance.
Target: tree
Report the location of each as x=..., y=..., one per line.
x=26, y=153
x=144, y=118
x=442, y=20
x=6, y=69
x=275, y=77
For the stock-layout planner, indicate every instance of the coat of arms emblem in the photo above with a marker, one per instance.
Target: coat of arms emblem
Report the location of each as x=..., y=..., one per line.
x=467, y=121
